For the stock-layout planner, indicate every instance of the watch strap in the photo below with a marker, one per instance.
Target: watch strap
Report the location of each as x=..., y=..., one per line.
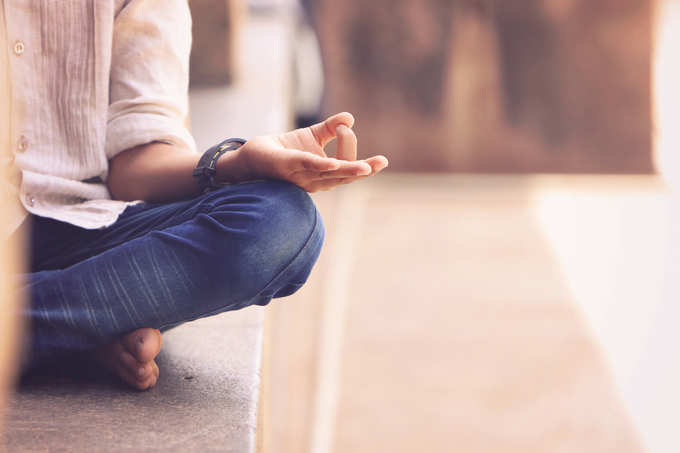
x=206, y=169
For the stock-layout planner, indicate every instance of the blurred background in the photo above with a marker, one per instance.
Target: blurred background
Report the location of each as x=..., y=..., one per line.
x=510, y=283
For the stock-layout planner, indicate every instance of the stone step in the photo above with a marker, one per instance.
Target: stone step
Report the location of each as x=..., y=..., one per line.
x=205, y=399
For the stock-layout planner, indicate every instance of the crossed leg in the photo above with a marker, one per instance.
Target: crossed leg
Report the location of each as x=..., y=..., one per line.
x=113, y=291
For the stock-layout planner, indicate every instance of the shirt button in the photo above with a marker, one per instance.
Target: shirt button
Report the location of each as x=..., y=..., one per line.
x=30, y=200
x=22, y=144
x=19, y=48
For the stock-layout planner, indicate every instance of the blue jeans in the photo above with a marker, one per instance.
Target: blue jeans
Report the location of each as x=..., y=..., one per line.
x=161, y=265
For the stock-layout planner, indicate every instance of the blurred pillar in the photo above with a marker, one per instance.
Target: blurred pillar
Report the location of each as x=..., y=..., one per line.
x=215, y=31
x=9, y=250
x=10, y=329
x=666, y=88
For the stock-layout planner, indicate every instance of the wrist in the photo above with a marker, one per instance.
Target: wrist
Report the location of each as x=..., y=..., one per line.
x=230, y=167
x=206, y=171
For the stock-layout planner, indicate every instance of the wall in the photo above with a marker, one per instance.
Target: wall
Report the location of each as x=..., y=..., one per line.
x=492, y=85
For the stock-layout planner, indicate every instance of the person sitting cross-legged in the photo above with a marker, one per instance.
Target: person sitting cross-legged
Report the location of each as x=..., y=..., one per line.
x=131, y=232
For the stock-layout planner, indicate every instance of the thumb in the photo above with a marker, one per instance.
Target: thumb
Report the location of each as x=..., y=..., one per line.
x=325, y=131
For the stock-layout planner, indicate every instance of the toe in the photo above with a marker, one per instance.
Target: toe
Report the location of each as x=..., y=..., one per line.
x=131, y=358
x=139, y=370
x=143, y=344
x=150, y=380
x=129, y=374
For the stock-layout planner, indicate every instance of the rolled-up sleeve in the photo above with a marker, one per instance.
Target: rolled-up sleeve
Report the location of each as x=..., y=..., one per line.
x=149, y=75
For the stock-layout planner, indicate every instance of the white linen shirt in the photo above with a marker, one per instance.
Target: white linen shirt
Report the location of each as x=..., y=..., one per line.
x=89, y=79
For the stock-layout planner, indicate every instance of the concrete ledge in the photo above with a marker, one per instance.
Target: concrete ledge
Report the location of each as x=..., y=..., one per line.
x=205, y=399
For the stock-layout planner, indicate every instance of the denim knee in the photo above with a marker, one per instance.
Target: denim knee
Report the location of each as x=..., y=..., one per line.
x=272, y=237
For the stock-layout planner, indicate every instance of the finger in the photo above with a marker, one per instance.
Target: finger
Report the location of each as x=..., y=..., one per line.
x=325, y=131
x=287, y=161
x=328, y=184
x=347, y=169
x=347, y=143
x=302, y=161
x=332, y=179
x=377, y=163
x=336, y=174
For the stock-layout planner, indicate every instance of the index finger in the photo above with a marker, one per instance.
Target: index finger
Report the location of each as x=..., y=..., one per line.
x=325, y=131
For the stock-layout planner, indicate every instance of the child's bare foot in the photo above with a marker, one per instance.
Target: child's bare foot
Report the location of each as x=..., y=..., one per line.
x=132, y=357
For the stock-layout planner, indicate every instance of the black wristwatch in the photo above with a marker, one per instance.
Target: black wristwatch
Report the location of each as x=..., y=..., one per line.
x=207, y=166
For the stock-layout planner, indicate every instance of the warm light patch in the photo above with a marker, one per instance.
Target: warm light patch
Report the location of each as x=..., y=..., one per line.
x=666, y=89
